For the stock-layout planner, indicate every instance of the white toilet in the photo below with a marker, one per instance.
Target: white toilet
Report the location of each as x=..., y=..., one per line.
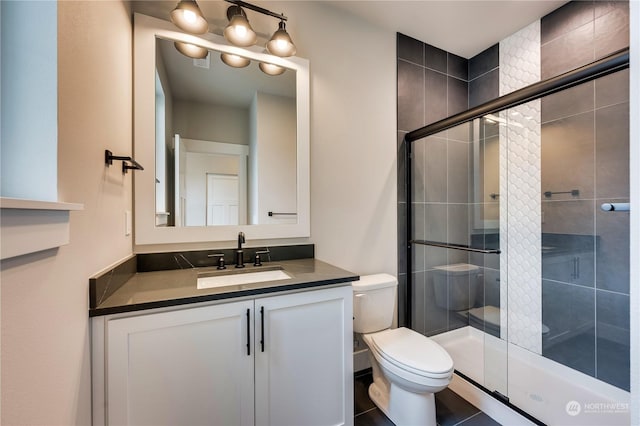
x=408, y=368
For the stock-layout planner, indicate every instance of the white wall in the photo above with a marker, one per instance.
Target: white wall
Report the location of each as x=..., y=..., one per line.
x=353, y=136
x=209, y=122
x=45, y=337
x=275, y=158
x=164, y=189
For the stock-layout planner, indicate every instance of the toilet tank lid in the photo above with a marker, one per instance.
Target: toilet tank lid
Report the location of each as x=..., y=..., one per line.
x=375, y=281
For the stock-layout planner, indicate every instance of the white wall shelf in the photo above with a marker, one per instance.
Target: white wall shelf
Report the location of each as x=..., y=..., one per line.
x=30, y=226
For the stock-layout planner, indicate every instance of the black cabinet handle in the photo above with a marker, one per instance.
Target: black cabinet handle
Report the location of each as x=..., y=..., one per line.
x=262, y=327
x=248, y=333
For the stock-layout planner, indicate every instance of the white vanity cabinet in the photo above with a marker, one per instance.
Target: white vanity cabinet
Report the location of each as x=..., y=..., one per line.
x=275, y=360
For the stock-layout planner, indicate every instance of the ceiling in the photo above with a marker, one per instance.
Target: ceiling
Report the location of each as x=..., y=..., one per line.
x=463, y=27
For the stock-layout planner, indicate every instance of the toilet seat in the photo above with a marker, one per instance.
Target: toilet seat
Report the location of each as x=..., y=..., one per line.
x=412, y=352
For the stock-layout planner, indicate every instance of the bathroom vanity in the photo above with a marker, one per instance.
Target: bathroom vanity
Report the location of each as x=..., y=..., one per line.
x=267, y=353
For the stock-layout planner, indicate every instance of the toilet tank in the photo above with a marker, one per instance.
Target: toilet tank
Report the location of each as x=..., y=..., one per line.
x=455, y=286
x=374, y=299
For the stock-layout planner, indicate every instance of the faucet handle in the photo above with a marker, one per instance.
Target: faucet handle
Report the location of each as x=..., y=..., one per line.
x=220, y=257
x=257, y=261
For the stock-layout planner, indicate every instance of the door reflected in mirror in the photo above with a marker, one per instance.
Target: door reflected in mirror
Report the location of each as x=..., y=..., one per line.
x=225, y=142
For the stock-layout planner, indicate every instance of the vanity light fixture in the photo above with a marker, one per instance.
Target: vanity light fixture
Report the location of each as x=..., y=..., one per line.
x=271, y=69
x=234, y=60
x=280, y=43
x=239, y=31
x=191, y=50
x=188, y=17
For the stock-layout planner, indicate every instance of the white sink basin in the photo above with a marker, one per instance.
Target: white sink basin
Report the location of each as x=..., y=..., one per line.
x=239, y=278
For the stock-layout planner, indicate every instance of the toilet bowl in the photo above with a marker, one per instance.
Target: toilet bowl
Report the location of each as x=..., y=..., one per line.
x=408, y=368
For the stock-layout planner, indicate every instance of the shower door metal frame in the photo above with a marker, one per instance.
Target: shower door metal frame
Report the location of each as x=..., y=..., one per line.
x=617, y=61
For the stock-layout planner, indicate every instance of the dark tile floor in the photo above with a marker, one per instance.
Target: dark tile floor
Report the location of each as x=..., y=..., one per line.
x=451, y=409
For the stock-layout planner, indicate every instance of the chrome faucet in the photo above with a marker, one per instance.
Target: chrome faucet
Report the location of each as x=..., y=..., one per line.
x=239, y=251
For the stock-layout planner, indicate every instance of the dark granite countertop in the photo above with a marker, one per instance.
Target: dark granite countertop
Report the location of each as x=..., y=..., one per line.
x=147, y=290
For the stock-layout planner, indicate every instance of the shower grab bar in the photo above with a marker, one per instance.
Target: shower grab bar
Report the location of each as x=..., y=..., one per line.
x=455, y=246
x=615, y=207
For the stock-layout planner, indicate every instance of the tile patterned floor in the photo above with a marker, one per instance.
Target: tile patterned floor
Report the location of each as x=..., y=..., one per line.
x=451, y=409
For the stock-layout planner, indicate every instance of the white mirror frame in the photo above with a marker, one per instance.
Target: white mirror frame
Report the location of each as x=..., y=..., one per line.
x=146, y=29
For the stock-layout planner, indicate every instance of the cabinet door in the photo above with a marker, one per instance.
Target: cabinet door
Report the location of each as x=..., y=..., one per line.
x=186, y=367
x=304, y=374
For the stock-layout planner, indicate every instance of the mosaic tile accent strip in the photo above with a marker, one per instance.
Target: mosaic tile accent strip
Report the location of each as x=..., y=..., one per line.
x=521, y=146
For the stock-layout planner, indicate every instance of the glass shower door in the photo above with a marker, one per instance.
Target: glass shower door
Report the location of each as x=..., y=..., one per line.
x=520, y=251
x=455, y=222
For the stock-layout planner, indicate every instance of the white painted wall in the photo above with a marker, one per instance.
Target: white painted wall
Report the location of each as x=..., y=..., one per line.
x=164, y=188
x=210, y=122
x=45, y=337
x=274, y=153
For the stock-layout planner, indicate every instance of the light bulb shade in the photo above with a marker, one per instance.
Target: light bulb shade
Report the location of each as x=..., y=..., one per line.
x=188, y=17
x=271, y=69
x=234, y=60
x=191, y=50
x=280, y=43
x=239, y=31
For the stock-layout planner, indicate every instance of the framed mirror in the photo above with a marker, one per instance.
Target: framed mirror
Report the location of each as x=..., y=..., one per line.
x=225, y=149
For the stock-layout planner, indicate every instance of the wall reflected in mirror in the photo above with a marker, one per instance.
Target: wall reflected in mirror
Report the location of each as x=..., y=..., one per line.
x=225, y=142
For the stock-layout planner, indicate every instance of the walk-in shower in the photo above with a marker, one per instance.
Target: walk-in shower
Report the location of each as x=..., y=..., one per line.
x=518, y=243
